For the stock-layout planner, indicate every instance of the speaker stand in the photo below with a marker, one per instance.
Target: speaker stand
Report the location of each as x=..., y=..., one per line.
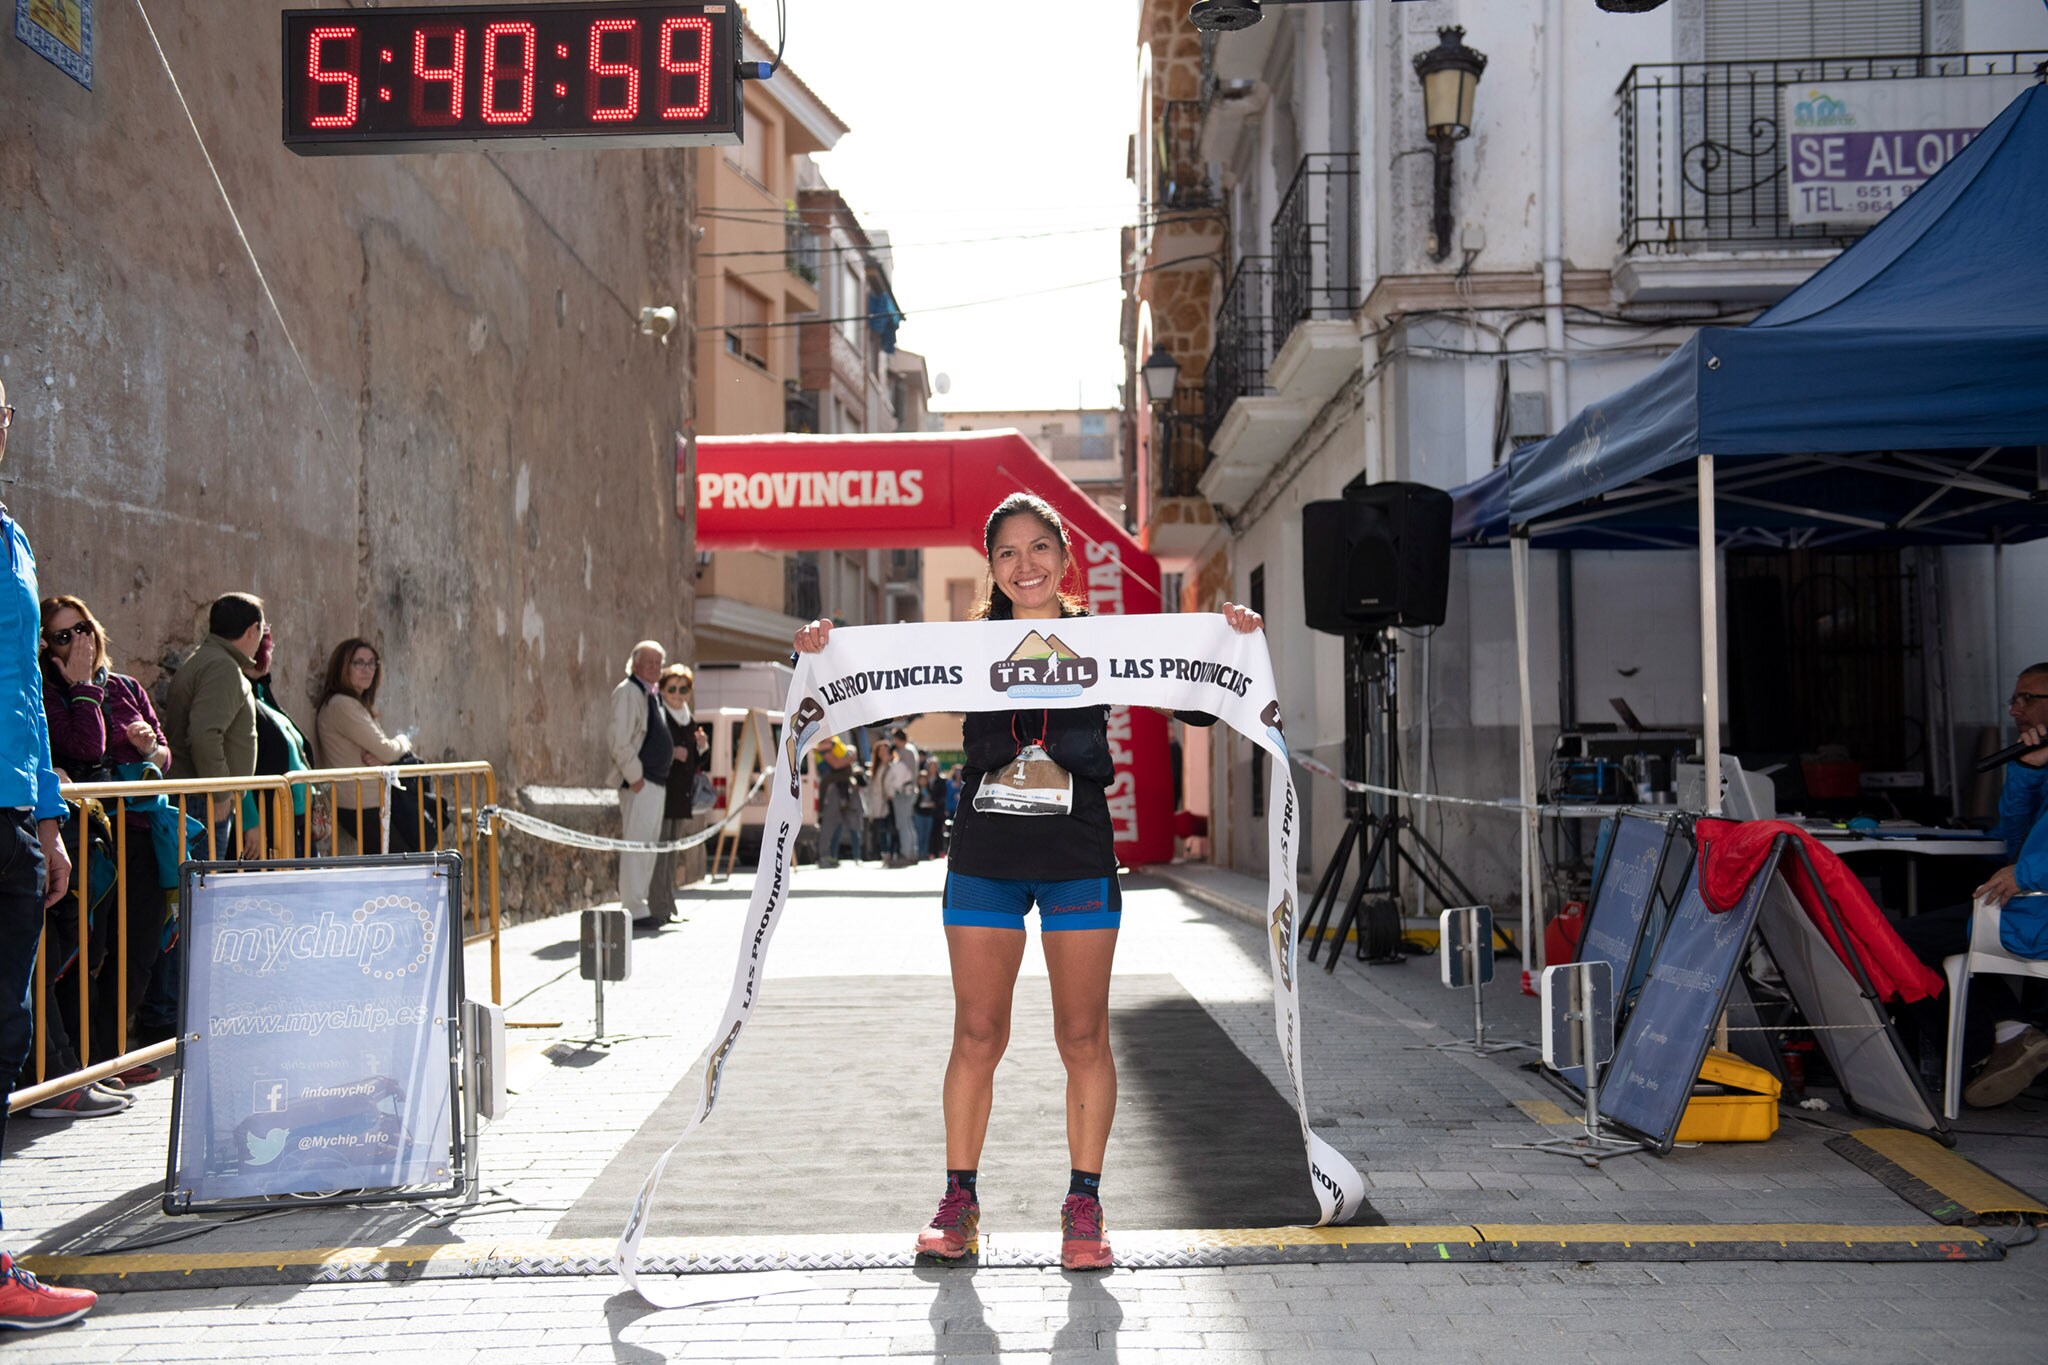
x=1385, y=839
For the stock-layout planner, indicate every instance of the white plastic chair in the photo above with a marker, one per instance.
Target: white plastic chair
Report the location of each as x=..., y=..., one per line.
x=1986, y=954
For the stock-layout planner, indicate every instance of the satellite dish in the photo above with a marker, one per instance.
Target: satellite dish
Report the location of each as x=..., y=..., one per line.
x=942, y=384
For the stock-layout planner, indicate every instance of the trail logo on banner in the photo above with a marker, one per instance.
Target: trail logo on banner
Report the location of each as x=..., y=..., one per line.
x=1175, y=663
x=1041, y=669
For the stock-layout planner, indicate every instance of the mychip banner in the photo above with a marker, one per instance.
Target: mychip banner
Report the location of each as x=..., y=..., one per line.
x=318, y=1031
x=870, y=673
x=1856, y=149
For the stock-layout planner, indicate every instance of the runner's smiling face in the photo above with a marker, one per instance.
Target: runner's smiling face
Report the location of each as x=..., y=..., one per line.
x=1028, y=562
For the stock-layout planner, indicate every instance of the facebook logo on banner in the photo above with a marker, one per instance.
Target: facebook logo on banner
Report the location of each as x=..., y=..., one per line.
x=269, y=1098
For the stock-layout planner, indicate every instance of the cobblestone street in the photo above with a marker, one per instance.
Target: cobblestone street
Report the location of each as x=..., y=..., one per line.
x=1420, y=1123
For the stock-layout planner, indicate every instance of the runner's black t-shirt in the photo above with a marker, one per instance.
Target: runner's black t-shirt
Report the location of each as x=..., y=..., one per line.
x=1036, y=847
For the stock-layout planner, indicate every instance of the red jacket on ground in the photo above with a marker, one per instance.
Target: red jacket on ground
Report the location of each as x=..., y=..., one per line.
x=1732, y=850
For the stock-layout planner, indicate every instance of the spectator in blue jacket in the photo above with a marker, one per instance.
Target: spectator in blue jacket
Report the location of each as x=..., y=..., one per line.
x=34, y=869
x=2001, y=1025
x=2020, y=1050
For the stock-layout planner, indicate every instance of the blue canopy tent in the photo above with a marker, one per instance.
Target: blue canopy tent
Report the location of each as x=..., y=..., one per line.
x=1898, y=397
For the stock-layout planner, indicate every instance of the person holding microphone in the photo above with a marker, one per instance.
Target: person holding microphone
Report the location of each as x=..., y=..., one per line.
x=2002, y=1025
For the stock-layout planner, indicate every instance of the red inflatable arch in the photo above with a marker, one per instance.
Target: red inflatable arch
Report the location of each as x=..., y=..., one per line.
x=928, y=490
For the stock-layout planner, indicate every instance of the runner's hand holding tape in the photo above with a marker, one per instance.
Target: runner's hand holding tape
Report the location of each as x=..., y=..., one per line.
x=1195, y=663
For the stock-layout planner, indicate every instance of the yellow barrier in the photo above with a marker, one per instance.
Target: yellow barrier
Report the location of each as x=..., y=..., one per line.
x=93, y=800
x=463, y=789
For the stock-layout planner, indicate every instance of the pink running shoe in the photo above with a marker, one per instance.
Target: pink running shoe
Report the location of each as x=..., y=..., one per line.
x=955, y=1230
x=1082, y=1245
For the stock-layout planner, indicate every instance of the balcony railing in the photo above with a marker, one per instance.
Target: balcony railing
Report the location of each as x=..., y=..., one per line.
x=799, y=408
x=1244, y=341
x=1315, y=254
x=1180, y=451
x=799, y=249
x=800, y=595
x=1703, y=157
x=1182, y=177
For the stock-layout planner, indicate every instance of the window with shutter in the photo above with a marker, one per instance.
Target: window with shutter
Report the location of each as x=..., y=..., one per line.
x=1772, y=30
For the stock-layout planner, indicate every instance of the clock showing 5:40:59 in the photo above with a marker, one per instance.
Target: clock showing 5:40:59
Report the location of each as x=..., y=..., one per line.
x=442, y=78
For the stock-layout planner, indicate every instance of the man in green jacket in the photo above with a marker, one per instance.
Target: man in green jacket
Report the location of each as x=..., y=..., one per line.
x=210, y=709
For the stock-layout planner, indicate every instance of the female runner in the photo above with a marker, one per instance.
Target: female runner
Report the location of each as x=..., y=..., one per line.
x=1002, y=862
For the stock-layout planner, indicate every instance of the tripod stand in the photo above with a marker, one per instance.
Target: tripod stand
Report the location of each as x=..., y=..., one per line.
x=1385, y=839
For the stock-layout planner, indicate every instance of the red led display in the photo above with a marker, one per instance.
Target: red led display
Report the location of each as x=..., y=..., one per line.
x=446, y=78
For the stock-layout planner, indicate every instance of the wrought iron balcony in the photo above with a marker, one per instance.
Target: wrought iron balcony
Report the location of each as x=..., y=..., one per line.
x=1315, y=260
x=800, y=593
x=1181, y=178
x=799, y=408
x=1180, y=446
x=1244, y=341
x=1703, y=156
x=800, y=248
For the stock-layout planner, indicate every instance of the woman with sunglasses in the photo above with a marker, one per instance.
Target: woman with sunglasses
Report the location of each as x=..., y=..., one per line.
x=103, y=728
x=678, y=684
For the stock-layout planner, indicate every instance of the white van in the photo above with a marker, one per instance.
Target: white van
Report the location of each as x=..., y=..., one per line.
x=726, y=694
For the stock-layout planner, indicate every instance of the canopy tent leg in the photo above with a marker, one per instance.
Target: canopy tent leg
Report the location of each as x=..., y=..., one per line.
x=1710, y=638
x=1531, y=943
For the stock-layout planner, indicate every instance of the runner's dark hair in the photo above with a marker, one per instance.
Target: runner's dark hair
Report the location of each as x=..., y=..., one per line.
x=995, y=604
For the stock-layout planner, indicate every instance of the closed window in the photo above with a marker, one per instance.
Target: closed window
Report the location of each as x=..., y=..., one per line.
x=746, y=318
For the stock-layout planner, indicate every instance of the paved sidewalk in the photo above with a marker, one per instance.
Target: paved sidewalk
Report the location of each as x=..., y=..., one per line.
x=1420, y=1123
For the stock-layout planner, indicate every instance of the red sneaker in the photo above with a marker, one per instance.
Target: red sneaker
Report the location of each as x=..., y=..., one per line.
x=955, y=1230
x=28, y=1303
x=1082, y=1245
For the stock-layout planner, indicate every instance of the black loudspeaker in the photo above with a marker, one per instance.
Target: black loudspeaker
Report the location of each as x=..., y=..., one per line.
x=1378, y=556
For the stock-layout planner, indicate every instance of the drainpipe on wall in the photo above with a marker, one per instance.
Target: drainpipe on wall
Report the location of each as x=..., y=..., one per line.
x=1366, y=219
x=1553, y=210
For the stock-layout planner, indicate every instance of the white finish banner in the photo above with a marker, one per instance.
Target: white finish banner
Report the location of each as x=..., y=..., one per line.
x=1856, y=149
x=871, y=673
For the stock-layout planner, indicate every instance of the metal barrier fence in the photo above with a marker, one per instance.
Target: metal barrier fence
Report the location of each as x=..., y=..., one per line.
x=280, y=818
x=450, y=796
x=93, y=801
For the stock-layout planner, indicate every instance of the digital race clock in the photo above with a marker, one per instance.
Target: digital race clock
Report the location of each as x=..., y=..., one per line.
x=442, y=78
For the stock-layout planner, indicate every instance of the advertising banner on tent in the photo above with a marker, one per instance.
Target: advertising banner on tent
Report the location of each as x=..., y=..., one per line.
x=1857, y=149
x=318, y=1030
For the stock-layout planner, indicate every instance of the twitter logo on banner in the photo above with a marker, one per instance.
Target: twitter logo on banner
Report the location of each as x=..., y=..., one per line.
x=266, y=1148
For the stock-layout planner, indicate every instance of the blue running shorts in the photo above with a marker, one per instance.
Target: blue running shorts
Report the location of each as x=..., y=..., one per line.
x=1003, y=902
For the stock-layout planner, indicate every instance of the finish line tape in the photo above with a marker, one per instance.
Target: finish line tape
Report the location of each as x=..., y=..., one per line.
x=870, y=673
x=1472, y=1243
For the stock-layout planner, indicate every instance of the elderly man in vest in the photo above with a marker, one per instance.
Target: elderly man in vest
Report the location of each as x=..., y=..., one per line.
x=638, y=745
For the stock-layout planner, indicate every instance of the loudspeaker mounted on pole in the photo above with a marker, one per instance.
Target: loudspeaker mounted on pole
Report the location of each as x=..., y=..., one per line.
x=1379, y=556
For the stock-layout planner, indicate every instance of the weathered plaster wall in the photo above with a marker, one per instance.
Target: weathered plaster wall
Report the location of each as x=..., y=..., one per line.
x=469, y=460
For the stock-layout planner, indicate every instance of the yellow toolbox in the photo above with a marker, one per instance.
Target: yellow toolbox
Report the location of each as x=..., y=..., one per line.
x=1733, y=1102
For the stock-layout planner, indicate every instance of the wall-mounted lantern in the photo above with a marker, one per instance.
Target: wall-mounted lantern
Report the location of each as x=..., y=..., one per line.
x=1161, y=373
x=1450, y=80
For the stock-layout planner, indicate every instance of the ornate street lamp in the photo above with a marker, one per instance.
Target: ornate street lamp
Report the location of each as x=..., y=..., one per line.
x=1161, y=373
x=1450, y=79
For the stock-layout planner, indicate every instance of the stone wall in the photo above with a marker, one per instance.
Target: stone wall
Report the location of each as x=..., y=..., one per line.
x=447, y=434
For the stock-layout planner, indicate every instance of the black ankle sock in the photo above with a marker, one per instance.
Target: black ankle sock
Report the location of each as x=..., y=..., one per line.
x=964, y=1179
x=1085, y=1182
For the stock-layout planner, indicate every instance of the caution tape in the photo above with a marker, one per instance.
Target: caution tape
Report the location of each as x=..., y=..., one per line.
x=598, y=843
x=1506, y=803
